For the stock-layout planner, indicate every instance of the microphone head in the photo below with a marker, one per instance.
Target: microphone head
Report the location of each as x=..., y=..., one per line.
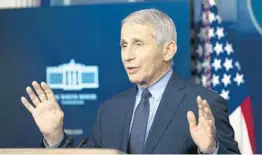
x=70, y=138
x=69, y=141
x=83, y=142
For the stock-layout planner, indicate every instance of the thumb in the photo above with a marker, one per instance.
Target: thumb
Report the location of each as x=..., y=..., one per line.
x=191, y=120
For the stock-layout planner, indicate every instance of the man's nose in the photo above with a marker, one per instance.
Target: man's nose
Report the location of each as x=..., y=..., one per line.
x=129, y=55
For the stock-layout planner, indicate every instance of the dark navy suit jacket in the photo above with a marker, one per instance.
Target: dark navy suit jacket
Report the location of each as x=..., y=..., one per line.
x=170, y=129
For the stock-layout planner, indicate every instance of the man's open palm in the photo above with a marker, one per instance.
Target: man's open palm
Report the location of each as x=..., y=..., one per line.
x=203, y=133
x=46, y=111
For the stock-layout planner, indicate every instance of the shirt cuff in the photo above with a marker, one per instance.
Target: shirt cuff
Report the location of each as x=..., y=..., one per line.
x=54, y=146
x=214, y=153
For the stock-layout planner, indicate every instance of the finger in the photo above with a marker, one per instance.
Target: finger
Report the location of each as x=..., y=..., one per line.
x=212, y=131
x=191, y=120
x=32, y=96
x=200, y=107
x=49, y=93
x=211, y=128
x=39, y=91
x=208, y=114
x=211, y=122
x=207, y=111
x=28, y=106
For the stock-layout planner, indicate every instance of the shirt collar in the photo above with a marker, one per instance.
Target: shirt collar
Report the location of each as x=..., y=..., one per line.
x=158, y=88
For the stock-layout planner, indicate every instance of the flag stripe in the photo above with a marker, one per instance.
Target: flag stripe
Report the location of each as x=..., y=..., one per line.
x=241, y=134
x=247, y=113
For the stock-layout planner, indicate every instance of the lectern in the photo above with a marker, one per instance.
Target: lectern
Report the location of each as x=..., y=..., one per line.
x=58, y=151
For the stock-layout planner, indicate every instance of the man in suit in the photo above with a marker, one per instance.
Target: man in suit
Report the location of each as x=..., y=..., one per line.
x=161, y=114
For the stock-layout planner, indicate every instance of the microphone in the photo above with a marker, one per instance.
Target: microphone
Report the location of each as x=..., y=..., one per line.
x=82, y=142
x=68, y=141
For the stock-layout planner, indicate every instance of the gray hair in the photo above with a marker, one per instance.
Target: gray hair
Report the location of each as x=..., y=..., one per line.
x=163, y=25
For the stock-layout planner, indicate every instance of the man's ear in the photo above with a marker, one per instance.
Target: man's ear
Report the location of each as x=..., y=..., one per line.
x=170, y=49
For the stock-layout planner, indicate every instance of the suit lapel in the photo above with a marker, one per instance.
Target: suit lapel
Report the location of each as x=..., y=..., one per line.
x=129, y=101
x=171, y=99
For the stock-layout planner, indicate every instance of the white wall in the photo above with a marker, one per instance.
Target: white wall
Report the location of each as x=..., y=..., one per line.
x=4, y=4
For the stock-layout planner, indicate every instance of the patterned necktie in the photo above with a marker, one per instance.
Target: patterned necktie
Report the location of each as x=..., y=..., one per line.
x=139, y=126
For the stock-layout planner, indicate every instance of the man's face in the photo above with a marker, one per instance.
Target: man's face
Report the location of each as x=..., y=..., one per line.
x=142, y=57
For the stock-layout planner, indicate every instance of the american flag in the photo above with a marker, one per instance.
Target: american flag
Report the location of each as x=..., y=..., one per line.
x=221, y=72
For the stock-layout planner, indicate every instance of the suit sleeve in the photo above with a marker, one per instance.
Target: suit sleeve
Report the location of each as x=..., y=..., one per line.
x=224, y=131
x=95, y=140
x=65, y=142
